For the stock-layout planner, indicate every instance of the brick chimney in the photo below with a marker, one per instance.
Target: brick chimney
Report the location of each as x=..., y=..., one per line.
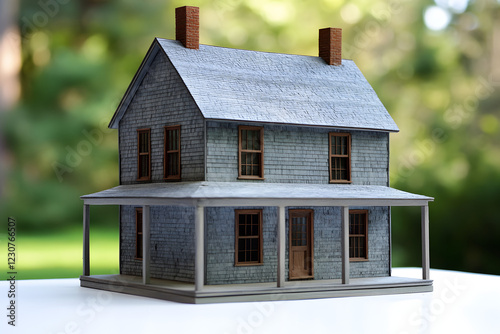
x=330, y=45
x=187, y=26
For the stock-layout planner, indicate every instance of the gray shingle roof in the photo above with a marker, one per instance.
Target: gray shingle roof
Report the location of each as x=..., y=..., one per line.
x=310, y=193
x=242, y=85
x=251, y=86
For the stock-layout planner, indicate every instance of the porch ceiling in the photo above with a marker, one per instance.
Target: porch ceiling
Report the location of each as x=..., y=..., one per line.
x=254, y=194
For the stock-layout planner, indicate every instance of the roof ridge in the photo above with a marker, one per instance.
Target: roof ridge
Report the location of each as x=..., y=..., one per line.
x=246, y=50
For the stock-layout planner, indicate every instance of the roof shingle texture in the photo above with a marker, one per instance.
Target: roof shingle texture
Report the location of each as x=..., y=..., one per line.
x=251, y=86
x=252, y=190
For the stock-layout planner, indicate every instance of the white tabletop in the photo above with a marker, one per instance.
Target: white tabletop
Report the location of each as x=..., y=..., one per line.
x=460, y=303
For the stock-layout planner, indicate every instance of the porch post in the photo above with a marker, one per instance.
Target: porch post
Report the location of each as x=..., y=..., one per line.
x=281, y=246
x=425, y=242
x=199, y=232
x=86, y=244
x=345, y=244
x=146, y=247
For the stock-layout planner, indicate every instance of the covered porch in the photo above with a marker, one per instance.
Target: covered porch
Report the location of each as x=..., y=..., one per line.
x=226, y=194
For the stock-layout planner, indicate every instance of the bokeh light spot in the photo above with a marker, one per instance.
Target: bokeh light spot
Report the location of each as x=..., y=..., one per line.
x=350, y=13
x=436, y=18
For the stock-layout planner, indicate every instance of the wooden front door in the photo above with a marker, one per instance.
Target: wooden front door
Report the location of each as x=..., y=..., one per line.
x=300, y=251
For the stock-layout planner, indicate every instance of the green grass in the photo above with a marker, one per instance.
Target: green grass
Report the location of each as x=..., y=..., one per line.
x=59, y=254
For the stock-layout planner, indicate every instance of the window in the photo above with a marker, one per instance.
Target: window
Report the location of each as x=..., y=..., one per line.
x=248, y=237
x=143, y=154
x=340, y=158
x=138, y=233
x=358, y=235
x=172, y=145
x=251, y=152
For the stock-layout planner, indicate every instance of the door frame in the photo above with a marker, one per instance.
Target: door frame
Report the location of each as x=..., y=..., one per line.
x=309, y=214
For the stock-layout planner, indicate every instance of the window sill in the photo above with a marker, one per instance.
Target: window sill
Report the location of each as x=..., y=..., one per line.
x=251, y=178
x=143, y=179
x=358, y=260
x=340, y=182
x=248, y=264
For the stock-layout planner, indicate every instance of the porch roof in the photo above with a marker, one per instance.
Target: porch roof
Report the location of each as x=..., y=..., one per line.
x=204, y=193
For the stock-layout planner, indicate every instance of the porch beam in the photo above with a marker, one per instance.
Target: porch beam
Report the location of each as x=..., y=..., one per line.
x=281, y=246
x=146, y=247
x=425, y=242
x=267, y=202
x=345, y=244
x=86, y=243
x=199, y=260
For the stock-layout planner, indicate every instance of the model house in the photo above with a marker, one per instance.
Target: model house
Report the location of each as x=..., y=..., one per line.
x=249, y=175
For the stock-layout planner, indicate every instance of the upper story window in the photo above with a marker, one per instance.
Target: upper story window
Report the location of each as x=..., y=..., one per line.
x=340, y=158
x=251, y=152
x=172, y=155
x=358, y=235
x=143, y=154
x=248, y=237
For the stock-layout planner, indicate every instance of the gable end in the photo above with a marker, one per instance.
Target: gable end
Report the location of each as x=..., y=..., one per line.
x=136, y=83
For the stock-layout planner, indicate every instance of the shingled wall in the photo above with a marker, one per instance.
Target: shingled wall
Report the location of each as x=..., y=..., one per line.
x=297, y=154
x=327, y=242
x=162, y=100
x=172, y=243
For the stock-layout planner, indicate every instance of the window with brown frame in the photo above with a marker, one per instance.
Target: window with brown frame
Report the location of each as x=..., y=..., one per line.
x=340, y=158
x=251, y=152
x=172, y=155
x=248, y=248
x=138, y=233
x=143, y=154
x=358, y=235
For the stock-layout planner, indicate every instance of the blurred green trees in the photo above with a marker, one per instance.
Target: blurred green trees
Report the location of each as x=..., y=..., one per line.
x=441, y=87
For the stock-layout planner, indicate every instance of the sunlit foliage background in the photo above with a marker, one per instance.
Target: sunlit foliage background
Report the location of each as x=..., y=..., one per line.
x=435, y=66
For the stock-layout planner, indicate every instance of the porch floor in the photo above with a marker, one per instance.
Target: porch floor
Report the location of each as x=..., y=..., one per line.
x=293, y=290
